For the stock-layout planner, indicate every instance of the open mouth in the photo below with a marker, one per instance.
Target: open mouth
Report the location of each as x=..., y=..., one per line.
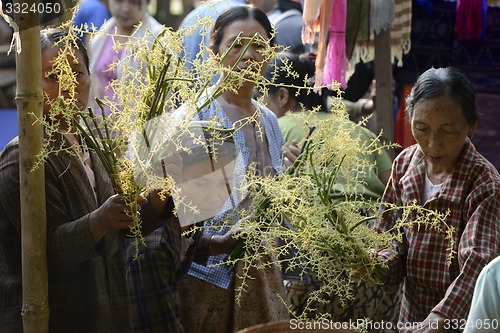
x=434, y=159
x=249, y=70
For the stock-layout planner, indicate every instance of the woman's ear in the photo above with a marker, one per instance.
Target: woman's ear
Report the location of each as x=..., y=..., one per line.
x=283, y=96
x=472, y=129
x=215, y=52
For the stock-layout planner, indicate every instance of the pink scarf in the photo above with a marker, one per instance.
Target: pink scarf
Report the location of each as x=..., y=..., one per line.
x=336, y=61
x=471, y=19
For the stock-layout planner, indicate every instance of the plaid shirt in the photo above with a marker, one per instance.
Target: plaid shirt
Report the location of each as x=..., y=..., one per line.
x=152, y=277
x=81, y=288
x=472, y=195
x=213, y=272
x=87, y=286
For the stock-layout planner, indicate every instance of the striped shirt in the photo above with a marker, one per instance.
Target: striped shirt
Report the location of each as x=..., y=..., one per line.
x=213, y=272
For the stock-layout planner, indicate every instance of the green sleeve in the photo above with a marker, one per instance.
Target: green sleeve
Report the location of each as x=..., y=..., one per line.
x=292, y=128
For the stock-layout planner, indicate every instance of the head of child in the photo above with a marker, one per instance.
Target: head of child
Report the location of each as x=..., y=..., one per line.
x=208, y=162
x=249, y=29
x=65, y=75
x=128, y=14
x=290, y=82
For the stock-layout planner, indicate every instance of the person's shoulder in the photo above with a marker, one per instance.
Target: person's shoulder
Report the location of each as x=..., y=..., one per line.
x=288, y=17
x=320, y=116
x=103, y=31
x=408, y=152
x=90, y=5
x=363, y=131
x=9, y=175
x=491, y=272
x=218, y=6
x=92, y=8
x=11, y=147
x=409, y=156
x=9, y=160
x=85, y=5
x=209, y=8
x=269, y=117
x=152, y=24
x=486, y=168
x=292, y=127
x=189, y=18
x=289, y=120
x=266, y=112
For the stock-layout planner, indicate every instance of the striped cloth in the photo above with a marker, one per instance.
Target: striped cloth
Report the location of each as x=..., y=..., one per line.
x=213, y=272
x=395, y=15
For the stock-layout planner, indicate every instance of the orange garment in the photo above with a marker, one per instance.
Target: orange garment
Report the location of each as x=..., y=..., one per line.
x=402, y=131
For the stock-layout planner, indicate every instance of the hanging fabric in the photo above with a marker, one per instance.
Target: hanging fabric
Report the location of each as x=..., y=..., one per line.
x=336, y=61
x=310, y=16
x=357, y=25
x=344, y=32
x=394, y=15
x=381, y=15
x=316, y=15
x=470, y=19
x=401, y=30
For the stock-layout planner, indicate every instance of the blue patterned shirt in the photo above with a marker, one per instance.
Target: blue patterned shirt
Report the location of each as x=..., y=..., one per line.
x=213, y=272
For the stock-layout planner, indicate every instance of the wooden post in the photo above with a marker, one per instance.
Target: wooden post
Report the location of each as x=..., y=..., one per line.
x=29, y=100
x=384, y=90
x=165, y=16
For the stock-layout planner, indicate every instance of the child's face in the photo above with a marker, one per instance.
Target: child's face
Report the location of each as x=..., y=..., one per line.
x=128, y=13
x=205, y=189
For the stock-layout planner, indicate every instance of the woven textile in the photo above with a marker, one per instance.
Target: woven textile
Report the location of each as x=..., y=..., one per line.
x=471, y=19
x=400, y=29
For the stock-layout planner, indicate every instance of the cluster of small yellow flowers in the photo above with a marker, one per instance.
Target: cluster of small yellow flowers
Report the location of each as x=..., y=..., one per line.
x=302, y=218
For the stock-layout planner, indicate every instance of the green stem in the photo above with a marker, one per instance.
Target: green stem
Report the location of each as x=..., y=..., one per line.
x=92, y=143
x=219, y=89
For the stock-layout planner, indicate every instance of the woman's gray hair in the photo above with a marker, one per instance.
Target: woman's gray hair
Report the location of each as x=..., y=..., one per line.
x=51, y=36
x=447, y=81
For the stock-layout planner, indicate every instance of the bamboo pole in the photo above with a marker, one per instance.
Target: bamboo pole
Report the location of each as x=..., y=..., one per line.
x=383, y=82
x=29, y=100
